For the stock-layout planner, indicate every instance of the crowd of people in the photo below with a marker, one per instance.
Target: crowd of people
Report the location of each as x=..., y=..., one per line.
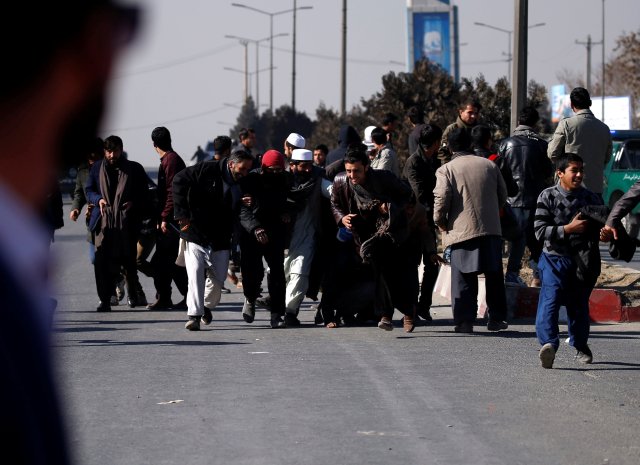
x=355, y=220
x=349, y=227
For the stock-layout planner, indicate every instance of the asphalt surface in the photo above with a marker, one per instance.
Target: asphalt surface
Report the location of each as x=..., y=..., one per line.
x=138, y=388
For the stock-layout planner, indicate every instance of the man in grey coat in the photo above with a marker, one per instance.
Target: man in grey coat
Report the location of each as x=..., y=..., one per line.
x=468, y=195
x=586, y=136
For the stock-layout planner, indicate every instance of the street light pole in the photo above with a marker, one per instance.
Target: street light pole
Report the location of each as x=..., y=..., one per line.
x=508, y=32
x=603, y=64
x=257, y=43
x=343, y=62
x=293, y=66
x=271, y=36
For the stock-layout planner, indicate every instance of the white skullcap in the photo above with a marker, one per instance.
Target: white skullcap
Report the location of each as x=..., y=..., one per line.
x=367, y=134
x=302, y=155
x=296, y=140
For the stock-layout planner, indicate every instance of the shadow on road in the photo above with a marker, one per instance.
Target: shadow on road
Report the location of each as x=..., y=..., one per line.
x=111, y=343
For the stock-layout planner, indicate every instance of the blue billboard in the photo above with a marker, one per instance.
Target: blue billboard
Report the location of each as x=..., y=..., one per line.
x=431, y=38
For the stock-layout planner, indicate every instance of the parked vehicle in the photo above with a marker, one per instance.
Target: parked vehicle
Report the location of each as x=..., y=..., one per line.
x=622, y=171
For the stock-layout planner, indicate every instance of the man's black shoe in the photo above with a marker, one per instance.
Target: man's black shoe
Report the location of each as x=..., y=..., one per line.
x=277, y=321
x=207, y=318
x=103, y=307
x=465, y=327
x=264, y=302
x=160, y=304
x=291, y=320
x=249, y=311
x=182, y=305
x=424, y=313
x=497, y=325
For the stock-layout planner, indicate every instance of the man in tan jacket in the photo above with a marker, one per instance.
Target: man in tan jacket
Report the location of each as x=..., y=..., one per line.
x=468, y=116
x=468, y=195
x=584, y=135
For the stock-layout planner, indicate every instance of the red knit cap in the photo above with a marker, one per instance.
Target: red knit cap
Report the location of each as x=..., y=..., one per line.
x=273, y=158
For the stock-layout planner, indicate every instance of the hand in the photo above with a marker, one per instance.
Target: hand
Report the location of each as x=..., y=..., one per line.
x=163, y=227
x=607, y=233
x=347, y=219
x=184, y=224
x=103, y=205
x=383, y=208
x=74, y=214
x=261, y=236
x=247, y=200
x=577, y=225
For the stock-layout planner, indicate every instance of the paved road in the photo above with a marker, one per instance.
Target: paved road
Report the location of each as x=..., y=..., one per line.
x=139, y=389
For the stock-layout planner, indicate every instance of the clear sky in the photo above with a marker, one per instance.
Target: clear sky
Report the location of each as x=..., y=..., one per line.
x=174, y=73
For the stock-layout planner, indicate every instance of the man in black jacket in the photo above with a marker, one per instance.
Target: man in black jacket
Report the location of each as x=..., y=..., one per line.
x=206, y=198
x=264, y=217
x=526, y=154
x=419, y=171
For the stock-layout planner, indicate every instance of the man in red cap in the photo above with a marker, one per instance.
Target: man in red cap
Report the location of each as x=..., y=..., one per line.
x=264, y=219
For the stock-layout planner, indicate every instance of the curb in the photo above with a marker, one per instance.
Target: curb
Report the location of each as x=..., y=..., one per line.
x=605, y=306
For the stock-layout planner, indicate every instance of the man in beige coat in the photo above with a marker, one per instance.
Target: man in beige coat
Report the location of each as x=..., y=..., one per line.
x=584, y=135
x=468, y=195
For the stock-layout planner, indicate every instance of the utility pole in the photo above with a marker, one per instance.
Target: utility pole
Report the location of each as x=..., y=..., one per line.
x=603, y=63
x=343, y=70
x=519, y=84
x=293, y=73
x=588, y=44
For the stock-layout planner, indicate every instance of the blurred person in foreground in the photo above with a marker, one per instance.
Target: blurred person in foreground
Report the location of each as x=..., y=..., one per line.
x=68, y=67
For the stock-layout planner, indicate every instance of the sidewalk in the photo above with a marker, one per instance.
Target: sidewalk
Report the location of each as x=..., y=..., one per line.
x=605, y=305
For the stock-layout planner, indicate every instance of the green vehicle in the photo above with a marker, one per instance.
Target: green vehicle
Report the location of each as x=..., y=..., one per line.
x=622, y=171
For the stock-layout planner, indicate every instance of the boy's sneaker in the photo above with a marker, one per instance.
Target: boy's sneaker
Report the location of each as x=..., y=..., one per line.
x=193, y=324
x=249, y=311
x=207, y=318
x=584, y=355
x=547, y=355
x=512, y=279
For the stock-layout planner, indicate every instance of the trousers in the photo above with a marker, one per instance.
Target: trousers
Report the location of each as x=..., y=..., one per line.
x=560, y=286
x=204, y=264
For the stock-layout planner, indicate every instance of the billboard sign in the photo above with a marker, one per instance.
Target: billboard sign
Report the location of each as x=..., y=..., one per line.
x=431, y=38
x=617, y=111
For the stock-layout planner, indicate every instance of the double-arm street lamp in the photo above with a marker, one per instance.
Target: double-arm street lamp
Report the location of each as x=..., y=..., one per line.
x=271, y=36
x=244, y=40
x=509, y=54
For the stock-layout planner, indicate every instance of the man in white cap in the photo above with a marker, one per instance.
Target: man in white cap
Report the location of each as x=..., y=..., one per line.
x=371, y=148
x=309, y=184
x=293, y=141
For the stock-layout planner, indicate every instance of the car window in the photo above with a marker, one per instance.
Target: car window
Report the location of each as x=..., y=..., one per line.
x=627, y=156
